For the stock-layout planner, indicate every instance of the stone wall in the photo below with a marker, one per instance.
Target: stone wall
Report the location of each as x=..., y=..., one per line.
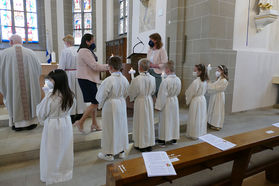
x=201, y=31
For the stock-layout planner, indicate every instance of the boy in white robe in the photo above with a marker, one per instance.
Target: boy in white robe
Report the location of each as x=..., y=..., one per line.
x=56, y=150
x=167, y=103
x=111, y=96
x=141, y=90
x=197, y=119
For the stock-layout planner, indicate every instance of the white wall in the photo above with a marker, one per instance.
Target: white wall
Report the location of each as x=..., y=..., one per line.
x=256, y=62
x=160, y=26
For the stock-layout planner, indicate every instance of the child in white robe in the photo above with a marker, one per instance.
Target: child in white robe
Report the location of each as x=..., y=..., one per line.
x=167, y=103
x=111, y=96
x=197, y=119
x=216, y=107
x=140, y=91
x=56, y=151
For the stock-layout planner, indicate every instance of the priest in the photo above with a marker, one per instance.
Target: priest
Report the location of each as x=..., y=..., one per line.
x=20, y=71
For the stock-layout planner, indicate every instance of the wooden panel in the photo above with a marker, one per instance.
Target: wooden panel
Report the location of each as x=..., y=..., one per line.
x=117, y=47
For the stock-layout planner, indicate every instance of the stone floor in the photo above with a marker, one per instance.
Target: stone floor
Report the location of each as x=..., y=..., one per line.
x=89, y=170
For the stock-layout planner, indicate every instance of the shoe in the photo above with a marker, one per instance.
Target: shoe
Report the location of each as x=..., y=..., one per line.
x=174, y=141
x=95, y=128
x=31, y=127
x=136, y=148
x=122, y=155
x=105, y=157
x=161, y=143
x=149, y=149
x=79, y=127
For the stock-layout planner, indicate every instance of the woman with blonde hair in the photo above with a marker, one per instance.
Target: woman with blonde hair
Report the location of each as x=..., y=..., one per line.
x=68, y=63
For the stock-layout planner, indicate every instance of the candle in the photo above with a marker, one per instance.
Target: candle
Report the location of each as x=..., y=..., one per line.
x=163, y=75
x=53, y=57
x=209, y=68
x=132, y=72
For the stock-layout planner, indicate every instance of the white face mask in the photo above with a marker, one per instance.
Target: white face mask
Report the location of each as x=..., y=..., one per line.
x=49, y=84
x=217, y=73
x=195, y=74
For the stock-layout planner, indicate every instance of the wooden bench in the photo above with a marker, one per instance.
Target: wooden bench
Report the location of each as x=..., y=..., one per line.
x=202, y=156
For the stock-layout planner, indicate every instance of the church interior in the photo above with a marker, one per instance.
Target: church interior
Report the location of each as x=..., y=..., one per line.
x=241, y=35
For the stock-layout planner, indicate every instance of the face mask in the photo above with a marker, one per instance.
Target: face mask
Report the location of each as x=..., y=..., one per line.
x=92, y=47
x=195, y=74
x=49, y=84
x=217, y=73
x=151, y=44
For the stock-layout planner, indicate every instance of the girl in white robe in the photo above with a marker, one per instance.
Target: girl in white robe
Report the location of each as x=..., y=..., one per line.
x=197, y=119
x=56, y=151
x=167, y=103
x=216, y=107
x=141, y=90
x=68, y=62
x=111, y=96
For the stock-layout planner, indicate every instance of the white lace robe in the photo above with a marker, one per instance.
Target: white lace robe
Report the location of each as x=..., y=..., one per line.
x=216, y=107
x=56, y=151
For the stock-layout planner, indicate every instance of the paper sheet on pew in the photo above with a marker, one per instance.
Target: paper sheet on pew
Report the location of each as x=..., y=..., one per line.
x=217, y=142
x=276, y=125
x=158, y=164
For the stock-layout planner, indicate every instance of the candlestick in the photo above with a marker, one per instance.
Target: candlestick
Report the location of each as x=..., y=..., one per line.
x=132, y=72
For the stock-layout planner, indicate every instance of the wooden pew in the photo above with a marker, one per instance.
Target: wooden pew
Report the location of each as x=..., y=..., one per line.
x=198, y=157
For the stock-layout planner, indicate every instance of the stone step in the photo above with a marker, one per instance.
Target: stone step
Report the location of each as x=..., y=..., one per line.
x=29, y=150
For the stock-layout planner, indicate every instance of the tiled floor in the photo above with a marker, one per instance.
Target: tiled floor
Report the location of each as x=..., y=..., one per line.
x=90, y=171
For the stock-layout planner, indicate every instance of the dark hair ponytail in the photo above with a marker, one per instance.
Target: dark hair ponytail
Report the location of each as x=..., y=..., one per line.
x=203, y=75
x=85, y=37
x=61, y=84
x=225, y=71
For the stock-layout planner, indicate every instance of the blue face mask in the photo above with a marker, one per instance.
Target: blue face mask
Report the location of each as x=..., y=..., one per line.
x=92, y=47
x=151, y=44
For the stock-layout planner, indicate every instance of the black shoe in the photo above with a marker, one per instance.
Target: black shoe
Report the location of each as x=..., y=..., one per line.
x=18, y=129
x=31, y=127
x=136, y=148
x=149, y=149
x=13, y=127
x=143, y=149
x=174, y=141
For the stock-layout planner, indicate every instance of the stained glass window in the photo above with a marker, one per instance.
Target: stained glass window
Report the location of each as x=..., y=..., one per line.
x=20, y=17
x=82, y=19
x=123, y=15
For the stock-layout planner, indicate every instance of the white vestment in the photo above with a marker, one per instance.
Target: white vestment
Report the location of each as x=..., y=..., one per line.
x=216, y=107
x=167, y=103
x=111, y=96
x=197, y=119
x=68, y=63
x=141, y=90
x=56, y=151
x=20, y=72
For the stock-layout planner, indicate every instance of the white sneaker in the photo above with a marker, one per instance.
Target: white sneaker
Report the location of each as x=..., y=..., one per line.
x=105, y=157
x=122, y=155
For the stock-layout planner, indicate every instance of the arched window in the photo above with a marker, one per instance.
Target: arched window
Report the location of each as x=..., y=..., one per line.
x=19, y=16
x=123, y=12
x=82, y=19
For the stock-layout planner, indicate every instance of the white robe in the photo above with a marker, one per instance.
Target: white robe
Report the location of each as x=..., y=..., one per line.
x=111, y=96
x=197, y=119
x=56, y=151
x=141, y=90
x=10, y=85
x=167, y=103
x=216, y=107
x=68, y=63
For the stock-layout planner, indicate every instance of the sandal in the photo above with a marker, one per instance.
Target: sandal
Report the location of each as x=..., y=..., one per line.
x=79, y=127
x=95, y=128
